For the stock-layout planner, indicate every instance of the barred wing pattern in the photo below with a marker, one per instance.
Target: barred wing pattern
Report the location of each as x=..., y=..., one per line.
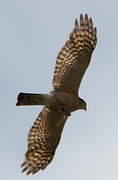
x=71, y=64
x=43, y=140
x=74, y=57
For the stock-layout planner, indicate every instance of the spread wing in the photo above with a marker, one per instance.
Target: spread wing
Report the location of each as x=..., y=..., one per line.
x=43, y=139
x=74, y=58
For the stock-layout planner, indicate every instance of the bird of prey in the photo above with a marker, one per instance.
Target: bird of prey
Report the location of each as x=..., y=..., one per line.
x=71, y=64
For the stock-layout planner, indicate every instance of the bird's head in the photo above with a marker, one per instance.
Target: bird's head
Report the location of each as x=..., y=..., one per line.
x=83, y=104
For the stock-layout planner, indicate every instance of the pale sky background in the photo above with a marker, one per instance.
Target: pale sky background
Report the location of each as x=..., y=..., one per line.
x=31, y=34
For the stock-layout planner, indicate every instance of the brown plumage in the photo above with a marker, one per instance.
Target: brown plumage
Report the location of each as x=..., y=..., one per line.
x=75, y=56
x=71, y=64
x=43, y=139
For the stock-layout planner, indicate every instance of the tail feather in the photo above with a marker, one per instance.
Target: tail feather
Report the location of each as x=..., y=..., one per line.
x=29, y=99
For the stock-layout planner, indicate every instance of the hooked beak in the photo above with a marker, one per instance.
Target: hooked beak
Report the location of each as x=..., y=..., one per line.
x=85, y=108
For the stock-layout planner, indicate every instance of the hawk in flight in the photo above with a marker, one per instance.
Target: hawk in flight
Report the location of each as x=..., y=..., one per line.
x=71, y=64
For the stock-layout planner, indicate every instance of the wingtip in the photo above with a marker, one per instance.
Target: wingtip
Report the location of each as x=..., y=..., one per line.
x=95, y=30
x=91, y=22
x=86, y=18
x=23, y=164
x=86, y=15
x=76, y=23
x=81, y=17
x=25, y=168
x=29, y=172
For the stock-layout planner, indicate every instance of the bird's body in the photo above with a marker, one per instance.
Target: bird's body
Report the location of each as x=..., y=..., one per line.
x=71, y=64
x=55, y=100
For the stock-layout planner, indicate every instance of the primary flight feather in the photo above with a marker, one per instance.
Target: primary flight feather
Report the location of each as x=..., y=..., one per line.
x=71, y=64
